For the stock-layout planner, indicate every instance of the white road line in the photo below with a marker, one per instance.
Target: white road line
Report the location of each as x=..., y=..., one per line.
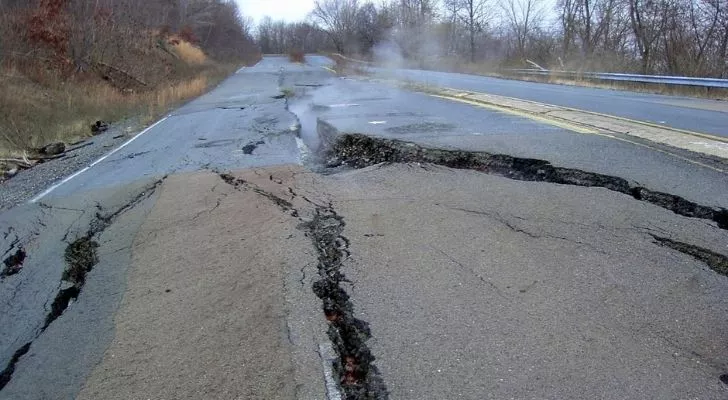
x=344, y=105
x=327, y=356
x=77, y=173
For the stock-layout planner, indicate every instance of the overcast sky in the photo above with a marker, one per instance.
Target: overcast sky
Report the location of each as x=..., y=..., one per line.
x=288, y=10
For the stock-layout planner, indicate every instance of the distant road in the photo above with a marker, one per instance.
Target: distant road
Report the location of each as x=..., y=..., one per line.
x=706, y=116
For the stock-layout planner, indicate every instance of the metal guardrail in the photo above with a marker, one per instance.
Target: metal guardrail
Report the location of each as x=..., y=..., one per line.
x=666, y=80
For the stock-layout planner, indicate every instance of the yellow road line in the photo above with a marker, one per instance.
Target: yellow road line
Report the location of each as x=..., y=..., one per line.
x=329, y=69
x=568, y=126
x=679, y=157
x=535, y=117
x=634, y=121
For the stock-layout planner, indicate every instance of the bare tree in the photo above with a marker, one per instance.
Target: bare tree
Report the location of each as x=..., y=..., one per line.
x=475, y=16
x=649, y=18
x=338, y=18
x=522, y=18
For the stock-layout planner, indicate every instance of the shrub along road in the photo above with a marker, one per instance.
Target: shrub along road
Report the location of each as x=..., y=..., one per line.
x=220, y=255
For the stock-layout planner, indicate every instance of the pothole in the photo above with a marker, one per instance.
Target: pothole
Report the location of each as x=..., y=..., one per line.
x=250, y=147
x=13, y=263
x=80, y=258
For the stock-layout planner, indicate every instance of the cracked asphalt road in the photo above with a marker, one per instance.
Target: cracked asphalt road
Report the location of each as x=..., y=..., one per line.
x=240, y=256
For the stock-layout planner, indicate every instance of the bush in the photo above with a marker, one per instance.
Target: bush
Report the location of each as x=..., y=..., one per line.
x=297, y=56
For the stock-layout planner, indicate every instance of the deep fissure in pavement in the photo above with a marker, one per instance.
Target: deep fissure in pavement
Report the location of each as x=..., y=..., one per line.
x=7, y=373
x=359, y=151
x=716, y=262
x=359, y=378
x=80, y=257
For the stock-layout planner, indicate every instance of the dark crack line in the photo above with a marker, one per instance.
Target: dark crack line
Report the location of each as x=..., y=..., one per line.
x=472, y=271
x=504, y=221
x=80, y=257
x=716, y=262
x=103, y=221
x=359, y=378
x=241, y=184
x=361, y=151
x=12, y=246
x=210, y=211
x=47, y=206
x=70, y=227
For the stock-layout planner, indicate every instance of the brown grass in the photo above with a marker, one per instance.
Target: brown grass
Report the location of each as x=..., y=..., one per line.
x=189, y=53
x=297, y=56
x=33, y=114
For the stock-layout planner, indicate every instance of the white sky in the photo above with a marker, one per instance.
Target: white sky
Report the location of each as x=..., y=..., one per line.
x=288, y=10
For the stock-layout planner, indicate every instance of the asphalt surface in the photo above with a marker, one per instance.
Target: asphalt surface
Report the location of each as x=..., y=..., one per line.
x=474, y=286
x=478, y=287
x=699, y=115
x=209, y=133
x=377, y=109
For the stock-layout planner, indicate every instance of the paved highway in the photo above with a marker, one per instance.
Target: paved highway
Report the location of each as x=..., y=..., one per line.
x=377, y=109
x=699, y=115
x=217, y=255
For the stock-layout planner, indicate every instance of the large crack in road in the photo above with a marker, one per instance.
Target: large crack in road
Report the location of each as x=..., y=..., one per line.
x=358, y=377
x=716, y=262
x=80, y=257
x=359, y=151
x=354, y=365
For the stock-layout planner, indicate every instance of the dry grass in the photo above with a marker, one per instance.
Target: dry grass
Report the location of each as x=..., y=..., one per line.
x=189, y=53
x=297, y=56
x=34, y=114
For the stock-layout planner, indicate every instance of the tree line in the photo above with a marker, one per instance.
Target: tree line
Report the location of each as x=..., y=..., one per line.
x=75, y=34
x=676, y=37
